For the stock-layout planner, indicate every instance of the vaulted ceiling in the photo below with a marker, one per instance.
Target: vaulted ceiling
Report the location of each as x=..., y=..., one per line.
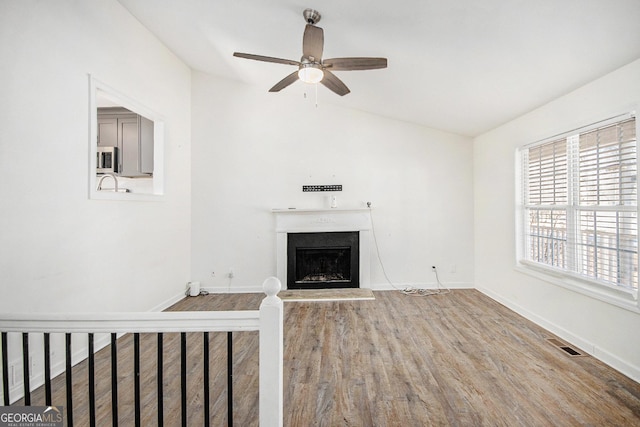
x=462, y=66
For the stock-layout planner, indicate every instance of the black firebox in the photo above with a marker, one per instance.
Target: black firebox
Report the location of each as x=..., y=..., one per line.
x=323, y=260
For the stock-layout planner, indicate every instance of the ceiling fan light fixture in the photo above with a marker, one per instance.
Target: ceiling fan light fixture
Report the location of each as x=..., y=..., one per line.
x=310, y=73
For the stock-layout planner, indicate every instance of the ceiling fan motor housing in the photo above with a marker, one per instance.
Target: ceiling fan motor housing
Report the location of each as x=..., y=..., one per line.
x=311, y=16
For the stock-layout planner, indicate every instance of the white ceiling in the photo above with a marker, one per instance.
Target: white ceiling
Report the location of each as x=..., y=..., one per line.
x=462, y=66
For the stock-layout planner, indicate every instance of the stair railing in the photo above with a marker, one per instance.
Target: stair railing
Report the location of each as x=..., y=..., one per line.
x=268, y=320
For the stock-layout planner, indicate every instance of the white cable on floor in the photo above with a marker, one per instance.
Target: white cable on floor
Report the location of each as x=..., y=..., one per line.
x=409, y=290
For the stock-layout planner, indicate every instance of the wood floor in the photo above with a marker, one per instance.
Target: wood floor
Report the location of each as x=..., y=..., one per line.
x=458, y=359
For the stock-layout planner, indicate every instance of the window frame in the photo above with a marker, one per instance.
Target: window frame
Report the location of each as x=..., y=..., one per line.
x=564, y=276
x=100, y=90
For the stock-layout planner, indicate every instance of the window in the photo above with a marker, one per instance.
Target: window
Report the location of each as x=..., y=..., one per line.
x=580, y=209
x=140, y=170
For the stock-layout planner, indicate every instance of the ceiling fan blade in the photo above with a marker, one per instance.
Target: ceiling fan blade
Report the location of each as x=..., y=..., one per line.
x=334, y=83
x=347, y=64
x=266, y=58
x=291, y=78
x=313, y=42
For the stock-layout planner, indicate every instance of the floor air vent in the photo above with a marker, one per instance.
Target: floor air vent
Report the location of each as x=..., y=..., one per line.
x=564, y=347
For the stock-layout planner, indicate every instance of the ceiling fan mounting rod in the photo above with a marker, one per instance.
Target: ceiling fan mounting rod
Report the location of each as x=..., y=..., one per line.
x=311, y=16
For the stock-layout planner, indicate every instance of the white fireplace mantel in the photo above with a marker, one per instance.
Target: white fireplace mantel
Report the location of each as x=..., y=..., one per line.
x=320, y=221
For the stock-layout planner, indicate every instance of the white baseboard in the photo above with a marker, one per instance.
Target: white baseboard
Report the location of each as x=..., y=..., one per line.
x=235, y=290
x=168, y=303
x=601, y=354
x=373, y=286
x=385, y=286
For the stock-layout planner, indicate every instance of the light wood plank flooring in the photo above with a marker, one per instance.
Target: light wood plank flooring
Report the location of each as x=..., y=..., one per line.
x=455, y=359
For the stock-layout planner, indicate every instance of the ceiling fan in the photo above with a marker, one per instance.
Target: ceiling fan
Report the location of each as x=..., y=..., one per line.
x=311, y=67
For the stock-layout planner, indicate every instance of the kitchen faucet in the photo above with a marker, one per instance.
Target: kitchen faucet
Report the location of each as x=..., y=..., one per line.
x=115, y=180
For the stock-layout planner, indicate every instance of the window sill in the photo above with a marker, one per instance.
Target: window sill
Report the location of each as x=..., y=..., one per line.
x=622, y=298
x=137, y=189
x=133, y=196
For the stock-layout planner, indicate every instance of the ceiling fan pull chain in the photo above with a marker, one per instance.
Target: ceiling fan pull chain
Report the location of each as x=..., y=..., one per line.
x=316, y=85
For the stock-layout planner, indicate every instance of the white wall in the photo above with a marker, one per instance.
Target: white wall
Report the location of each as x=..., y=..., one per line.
x=60, y=251
x=253, y=151
x=607, y=331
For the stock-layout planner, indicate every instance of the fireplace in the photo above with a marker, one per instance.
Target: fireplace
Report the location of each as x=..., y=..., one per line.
x=355, y=221
x=323, y=260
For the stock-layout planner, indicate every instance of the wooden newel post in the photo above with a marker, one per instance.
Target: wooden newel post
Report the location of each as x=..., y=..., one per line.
x=271, y=355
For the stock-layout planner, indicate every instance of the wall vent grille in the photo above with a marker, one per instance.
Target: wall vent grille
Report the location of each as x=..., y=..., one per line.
x=568, y=350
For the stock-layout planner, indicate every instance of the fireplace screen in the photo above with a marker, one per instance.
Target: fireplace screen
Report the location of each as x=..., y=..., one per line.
x=323, y=265
x=323, y=260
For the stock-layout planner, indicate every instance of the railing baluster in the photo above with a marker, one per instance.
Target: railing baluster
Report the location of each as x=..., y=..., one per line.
x=92, y=383
x=205, y=380
x=136, y=377
x=25, y=369
x=67, y=356
x=114, y=380
x=160, y=384
x=183, y=376
x=5, y=371
x=229, y=379
x=47, y=369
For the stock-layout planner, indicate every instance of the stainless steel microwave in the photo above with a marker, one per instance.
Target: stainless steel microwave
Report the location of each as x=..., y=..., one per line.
x=107, y=160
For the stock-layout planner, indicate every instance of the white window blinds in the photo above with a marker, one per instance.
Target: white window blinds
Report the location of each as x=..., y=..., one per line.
x=547, y=202
x=580, y=203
